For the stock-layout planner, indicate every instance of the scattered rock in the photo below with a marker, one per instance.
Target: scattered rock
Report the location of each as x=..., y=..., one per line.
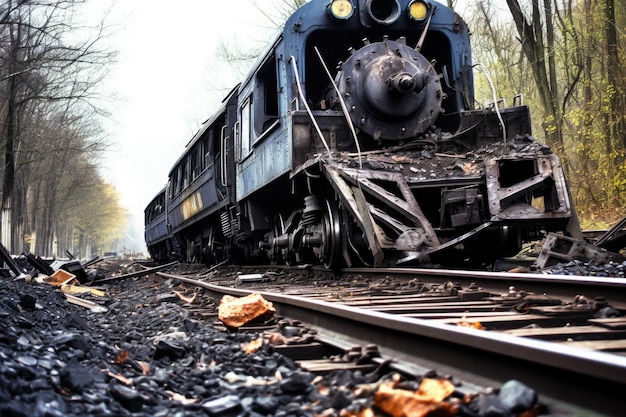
x=235, y=312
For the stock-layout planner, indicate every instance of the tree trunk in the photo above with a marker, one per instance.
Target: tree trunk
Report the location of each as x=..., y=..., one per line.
x=9, y=161
x=531, y=38
x=616, y=126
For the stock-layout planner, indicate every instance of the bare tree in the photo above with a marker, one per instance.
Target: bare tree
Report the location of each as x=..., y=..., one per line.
x=536, y=35
x=41, y=73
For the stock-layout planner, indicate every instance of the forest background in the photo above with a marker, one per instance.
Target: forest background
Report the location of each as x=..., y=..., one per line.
x=565, y=57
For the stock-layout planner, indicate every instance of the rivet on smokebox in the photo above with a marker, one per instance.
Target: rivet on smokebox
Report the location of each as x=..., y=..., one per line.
x=235, y=312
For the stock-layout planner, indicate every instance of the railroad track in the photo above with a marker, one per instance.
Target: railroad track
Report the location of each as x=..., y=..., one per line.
x=429, y=320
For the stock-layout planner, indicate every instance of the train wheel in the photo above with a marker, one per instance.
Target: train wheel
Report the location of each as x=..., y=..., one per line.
x=216, y=246
x=276, y=254
x=331, y=236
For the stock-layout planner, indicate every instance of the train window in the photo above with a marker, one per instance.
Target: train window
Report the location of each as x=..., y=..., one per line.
x=195, y=166
x=175, y=184
x=246, y=120
x=184, y=175
x=206, y=152
x=266, y=110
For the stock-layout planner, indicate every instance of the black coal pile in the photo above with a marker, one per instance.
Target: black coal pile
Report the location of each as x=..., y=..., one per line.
x=595, y=269
x=143, y=357
x=146, y=356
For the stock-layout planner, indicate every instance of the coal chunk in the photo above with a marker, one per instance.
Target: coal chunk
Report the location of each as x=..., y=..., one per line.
x=265, y=405
x=297, y=383
x=517, y=397
x=222, y=405
x=28, y=301
x=130, y=398
x=491, y=406
x=170, y=350
x=75, y=377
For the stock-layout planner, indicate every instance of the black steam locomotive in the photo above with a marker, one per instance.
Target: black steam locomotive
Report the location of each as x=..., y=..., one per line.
x=355, y=140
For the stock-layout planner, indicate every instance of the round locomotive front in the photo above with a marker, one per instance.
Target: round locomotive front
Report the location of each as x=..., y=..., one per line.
x=391, y=90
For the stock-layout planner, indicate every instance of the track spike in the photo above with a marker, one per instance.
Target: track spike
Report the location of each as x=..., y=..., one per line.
x=366, y=41
x=402, y=40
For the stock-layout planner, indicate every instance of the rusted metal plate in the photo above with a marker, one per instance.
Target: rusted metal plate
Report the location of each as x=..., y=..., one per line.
x=563, y=249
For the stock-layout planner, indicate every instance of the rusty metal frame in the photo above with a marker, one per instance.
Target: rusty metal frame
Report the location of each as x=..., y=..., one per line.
x=549, y=174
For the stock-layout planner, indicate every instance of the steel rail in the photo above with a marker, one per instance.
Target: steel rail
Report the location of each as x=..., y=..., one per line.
x=575, y=381
x=613, y=289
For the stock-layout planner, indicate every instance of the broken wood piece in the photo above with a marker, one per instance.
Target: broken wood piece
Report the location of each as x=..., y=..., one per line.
x=96, y=308
x=60, y=277
x=78, y=289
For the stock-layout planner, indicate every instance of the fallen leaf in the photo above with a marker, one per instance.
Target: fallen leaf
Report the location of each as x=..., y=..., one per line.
x=121, y=357
x=145, y=367
x=435, y=389
x=364, y=412
x=426, y=401
x=471, y=324
x=276, y=338
x=174, y=396
x=121, y=378
x=189, y=299
x=253, y=345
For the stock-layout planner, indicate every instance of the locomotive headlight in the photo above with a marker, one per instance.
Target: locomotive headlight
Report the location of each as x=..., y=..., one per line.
x=341, y=9
x=418, y=10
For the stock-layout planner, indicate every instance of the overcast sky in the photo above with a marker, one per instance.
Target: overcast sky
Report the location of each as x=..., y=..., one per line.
x=166, y=81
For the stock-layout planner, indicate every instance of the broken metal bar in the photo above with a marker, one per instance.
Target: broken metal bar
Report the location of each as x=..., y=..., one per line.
x=138, y=273
x=91, y=261
x=39, y=264
x=8, y=259
x=611, y=232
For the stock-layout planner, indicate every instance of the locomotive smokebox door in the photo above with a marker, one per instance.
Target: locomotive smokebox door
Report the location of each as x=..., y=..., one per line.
x=393, y=91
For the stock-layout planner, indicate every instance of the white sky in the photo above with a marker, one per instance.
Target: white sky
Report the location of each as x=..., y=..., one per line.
x=166, y=81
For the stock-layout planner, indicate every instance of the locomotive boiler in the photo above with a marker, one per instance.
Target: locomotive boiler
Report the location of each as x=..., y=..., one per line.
x=356, y=139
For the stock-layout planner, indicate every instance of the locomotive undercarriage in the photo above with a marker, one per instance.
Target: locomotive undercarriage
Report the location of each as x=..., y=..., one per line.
x=419, y=206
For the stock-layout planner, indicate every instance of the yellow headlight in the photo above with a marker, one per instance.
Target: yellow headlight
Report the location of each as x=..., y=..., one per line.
x=341, y=9
x=418, y=10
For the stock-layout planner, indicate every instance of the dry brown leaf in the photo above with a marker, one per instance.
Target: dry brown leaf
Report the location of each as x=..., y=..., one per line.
x=435, y=389
x=145, y=367
x=323, y=390
x=253, y=345
x=276, y=338
x=364, y=412
x=186, y=299
x=471, y=324
x=119, y=377
x=174, y=396
x=426, y=401
x=121, y=357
